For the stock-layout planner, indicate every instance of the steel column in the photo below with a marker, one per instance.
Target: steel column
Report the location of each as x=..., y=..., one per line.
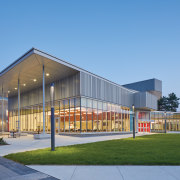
x=165, y=122
x=133, y=126
x=2, y=110
x=19, y=106
x=44, y=117
x=69, y=114
x=133, y=113
x=52, y=117
x=80, y=118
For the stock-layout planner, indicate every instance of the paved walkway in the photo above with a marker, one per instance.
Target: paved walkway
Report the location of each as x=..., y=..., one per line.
x=27, y=143
x=10, y=170
x=111, y=172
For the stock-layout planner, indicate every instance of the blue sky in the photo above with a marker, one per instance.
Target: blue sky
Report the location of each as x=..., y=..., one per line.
x=124, y=40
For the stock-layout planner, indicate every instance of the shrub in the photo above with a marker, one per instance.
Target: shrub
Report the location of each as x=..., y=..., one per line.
x=2, y=142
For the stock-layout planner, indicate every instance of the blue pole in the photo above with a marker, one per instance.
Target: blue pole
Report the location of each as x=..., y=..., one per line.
x=52, y=130
x=133, y=121
x=52, y=117
x=133, y=127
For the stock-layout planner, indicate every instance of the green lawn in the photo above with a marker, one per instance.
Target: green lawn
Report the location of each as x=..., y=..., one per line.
x=158, y=149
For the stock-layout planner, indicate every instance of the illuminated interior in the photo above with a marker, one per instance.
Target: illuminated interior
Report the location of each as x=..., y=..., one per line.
x=91, y=116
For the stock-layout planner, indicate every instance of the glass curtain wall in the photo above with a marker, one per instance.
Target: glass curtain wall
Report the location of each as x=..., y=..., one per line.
x=67, y=117
x=91, y=116
x=4, y=107
x=98, y=116
x=158, y=121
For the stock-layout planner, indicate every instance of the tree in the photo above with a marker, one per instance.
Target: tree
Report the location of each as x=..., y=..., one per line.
x=169, y=103
x=163, y=104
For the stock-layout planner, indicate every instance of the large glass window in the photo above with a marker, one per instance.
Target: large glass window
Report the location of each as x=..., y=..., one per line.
x=73, y=115
x=77, y=119
x=113, y=117
x=120, y=118
x=83, y=119
x=108, y=117
x=62, y=115
x=104, y=116
x=89, y=120
x=100, y=120
x=95, y=117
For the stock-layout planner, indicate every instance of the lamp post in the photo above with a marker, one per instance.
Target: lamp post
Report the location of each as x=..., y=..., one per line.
x=52, y=117
x=165, y=125
x=133, y=122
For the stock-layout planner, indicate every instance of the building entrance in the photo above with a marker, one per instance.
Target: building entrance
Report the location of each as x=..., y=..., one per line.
x=144, y=126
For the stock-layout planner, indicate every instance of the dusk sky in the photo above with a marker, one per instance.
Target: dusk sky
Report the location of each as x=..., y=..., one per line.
x=124, y=41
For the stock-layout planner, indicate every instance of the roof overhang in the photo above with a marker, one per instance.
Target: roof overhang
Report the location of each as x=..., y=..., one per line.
x=29, y=67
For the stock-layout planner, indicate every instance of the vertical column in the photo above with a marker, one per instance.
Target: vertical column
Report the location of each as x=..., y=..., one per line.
x=52, y=117
x=92, y=117
x=97, y=119
x=19, y=106
x=44, y=117
x=69, y=114
x=150, y=121
x=165, y=123
x=114, y=119
x=74, y=114
x=133, y=111
x=137, y=129
x=121, y=119
x=86, y=119
x=64, y=115
x=80, y=117
x=2, y=109
x=59, y=119
x=106, y=118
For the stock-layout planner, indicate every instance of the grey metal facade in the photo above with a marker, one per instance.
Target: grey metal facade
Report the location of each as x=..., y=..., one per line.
x=145, y=100
x=147, y=85
x=98, y=88
x=101, y=89
x=153, y=86
x=64, y=88
x=88, y=85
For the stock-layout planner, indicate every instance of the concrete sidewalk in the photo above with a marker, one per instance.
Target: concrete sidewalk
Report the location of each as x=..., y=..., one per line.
x=111, y=172
x=27, y=143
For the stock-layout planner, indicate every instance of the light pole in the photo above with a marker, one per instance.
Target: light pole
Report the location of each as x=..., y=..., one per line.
x=52, y=117
x=133, y=122
x=165, y=125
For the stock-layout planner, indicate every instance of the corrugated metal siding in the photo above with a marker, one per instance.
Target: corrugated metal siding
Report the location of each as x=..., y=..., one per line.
x=97, y=88
x=151, y=101
x=147, y=85
x=158, y=85
x=145, y=100
x=64, y=88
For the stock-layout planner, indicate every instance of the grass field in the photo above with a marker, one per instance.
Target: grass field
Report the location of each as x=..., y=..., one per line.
x=158, y=149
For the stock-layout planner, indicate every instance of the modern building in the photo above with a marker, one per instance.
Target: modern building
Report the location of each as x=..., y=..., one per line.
x=84, y=102
x=153, y=86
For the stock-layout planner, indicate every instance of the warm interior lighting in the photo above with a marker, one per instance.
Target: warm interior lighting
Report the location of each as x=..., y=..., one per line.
x=15, y=88
x=8, y=92
x=24, y=84
x=34, y=80
x=133, y=107
x=47, y=74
